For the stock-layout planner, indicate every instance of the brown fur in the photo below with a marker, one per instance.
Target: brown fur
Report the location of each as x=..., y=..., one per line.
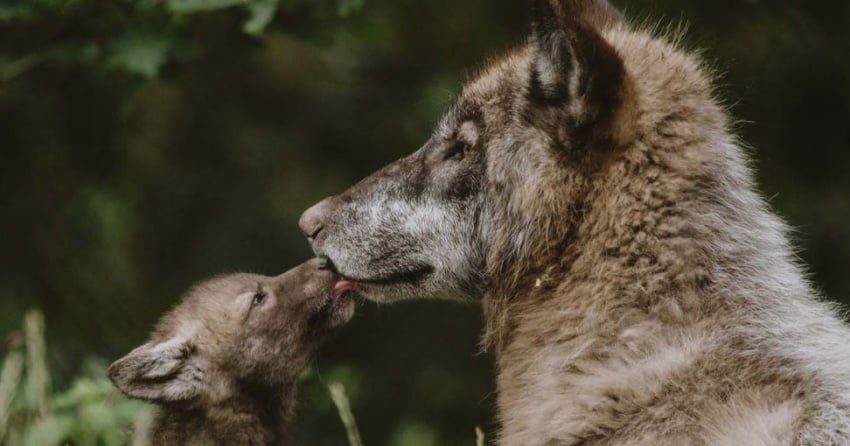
x=649, y=263
x=223, y=365
x=637, y=290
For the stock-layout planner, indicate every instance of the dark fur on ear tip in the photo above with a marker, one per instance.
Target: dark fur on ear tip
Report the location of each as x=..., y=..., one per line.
x=554, y=57
x=599, y=14
x=544, y=19
x=575, y=65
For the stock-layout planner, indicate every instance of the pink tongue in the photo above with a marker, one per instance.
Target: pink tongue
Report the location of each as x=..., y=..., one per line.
x=342, y=287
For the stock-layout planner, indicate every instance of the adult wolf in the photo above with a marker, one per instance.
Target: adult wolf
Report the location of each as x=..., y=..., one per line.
x=637, y=290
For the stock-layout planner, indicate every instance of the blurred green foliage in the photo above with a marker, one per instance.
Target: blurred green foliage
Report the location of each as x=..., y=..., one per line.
x=137, y=36
x=90, y=412
x=147, y=144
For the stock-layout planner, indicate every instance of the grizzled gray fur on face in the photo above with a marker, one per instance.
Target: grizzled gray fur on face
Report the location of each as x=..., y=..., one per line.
x=637, y=290
x=425, y=226
x=223, y=364
x=411, y=229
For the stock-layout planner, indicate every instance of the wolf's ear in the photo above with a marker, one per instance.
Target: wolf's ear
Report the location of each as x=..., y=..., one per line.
x=575, y=68
x=160, y=372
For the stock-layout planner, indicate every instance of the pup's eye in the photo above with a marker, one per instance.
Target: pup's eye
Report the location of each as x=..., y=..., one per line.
x=259, y=298
x=456, y=152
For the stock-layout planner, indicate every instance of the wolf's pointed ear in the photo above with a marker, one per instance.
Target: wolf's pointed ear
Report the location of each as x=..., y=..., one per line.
x=164, y=371
x=575, y=68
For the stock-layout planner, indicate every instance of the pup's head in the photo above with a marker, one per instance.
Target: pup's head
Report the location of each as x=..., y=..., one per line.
x=499, y=182
x=235, y=332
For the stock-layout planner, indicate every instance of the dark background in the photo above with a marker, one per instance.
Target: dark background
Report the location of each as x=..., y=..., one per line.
x=145, y=147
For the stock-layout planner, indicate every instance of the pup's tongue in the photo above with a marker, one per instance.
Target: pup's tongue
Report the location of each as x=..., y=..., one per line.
x=342, y=287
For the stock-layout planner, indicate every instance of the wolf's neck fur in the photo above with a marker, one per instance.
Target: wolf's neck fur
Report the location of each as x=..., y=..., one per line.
x=675, y=278
x=260, y=419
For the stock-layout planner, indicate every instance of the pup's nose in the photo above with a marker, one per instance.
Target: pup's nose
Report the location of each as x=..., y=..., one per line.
x=312, y=221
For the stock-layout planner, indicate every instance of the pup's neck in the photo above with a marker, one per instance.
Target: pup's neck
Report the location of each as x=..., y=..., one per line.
x=257, y=415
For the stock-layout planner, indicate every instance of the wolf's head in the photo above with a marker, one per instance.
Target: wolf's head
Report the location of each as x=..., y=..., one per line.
x=236, y=332
x=505, y=167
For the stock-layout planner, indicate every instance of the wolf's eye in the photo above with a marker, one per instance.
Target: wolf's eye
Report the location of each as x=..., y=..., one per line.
x=456, y=151
x=258, y=299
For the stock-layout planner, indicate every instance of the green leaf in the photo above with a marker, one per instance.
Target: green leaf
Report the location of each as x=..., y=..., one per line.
x=140, y=53
x=48, y=430
x=260, y=14
x=83, y=391
x=415, y=432
x=81, y=52
x=17, y=11
x=189, y=6
x=9, y=69
x=345, y=8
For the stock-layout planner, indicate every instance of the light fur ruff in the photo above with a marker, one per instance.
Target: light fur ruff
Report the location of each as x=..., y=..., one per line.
x=638, y=290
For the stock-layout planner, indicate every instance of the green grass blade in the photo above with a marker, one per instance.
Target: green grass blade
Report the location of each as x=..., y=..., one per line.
x=479, y=437
x=10, y=376
x=342, y=405
x=38, y=377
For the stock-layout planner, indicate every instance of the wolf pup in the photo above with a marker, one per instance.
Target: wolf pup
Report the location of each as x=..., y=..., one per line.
x=223, y=364
x=587, y=188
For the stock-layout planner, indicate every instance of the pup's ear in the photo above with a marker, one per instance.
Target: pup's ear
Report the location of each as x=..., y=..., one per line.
x=160, y=372
x=575, y=69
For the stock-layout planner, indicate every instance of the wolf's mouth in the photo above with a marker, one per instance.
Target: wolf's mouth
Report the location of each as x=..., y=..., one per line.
x=410, y=276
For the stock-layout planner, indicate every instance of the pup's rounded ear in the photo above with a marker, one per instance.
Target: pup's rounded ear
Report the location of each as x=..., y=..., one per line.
x=575, y=69
x=160, y=372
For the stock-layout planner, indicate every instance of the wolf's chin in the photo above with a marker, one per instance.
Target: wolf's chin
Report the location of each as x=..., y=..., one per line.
x=390, y=286
x=412, y=276
x=387, y=294
x=388, y=277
